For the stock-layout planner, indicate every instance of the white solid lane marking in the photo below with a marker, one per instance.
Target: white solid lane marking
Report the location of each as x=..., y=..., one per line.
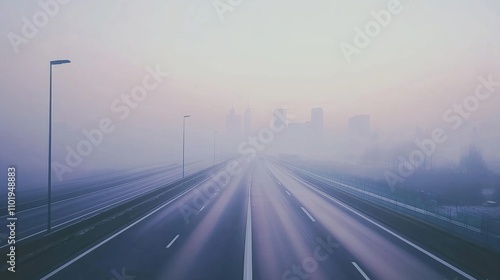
x=120, y=232
x=247, y=269
x=288, y=193
x=89, y=214
x=360, y=270
x=172, y=242
x=307, y=213
x=422, y=250
x=443, y=262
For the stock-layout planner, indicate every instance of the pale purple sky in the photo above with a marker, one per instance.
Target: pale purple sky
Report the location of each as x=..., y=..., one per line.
x=265, y=53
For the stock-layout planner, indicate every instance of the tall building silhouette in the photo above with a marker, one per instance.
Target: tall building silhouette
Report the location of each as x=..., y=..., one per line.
x=233, y=124
x=247, y=122
x=359, y=126
x=279, y=118
x=303, y=137
x=316, y=123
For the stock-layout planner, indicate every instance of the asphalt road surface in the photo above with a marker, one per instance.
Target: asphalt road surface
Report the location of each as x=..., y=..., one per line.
x=87, y=197
x=263, y=224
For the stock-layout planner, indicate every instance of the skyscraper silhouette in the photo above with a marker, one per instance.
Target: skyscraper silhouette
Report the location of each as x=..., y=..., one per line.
x=359, y=126
x=233, y=124
x=317, y=121
x=247, y=122
x=279, y=118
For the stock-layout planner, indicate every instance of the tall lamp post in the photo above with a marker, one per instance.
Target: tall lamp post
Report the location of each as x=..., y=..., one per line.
x=49, y=198
x=183, y=140
x=215, y=133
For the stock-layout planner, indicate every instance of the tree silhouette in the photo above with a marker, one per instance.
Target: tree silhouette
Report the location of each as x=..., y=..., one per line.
x=472, y=161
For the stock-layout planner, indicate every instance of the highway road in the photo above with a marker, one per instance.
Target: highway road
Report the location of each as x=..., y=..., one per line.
x=264, y=224
x=77, y=200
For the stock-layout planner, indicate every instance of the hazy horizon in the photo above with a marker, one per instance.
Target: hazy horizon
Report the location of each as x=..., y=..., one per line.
x=263, y=55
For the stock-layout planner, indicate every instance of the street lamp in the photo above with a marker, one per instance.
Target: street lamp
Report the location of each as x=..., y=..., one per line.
x=183, y=140
x=49, y=200
x=215, y=133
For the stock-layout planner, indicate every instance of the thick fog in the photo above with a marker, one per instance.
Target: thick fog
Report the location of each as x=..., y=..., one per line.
x=430, y=72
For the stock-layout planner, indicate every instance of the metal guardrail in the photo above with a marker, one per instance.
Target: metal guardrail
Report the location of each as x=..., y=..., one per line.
x=479, y=229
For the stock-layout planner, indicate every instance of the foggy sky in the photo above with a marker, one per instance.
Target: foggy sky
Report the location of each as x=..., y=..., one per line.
x=265, y=54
